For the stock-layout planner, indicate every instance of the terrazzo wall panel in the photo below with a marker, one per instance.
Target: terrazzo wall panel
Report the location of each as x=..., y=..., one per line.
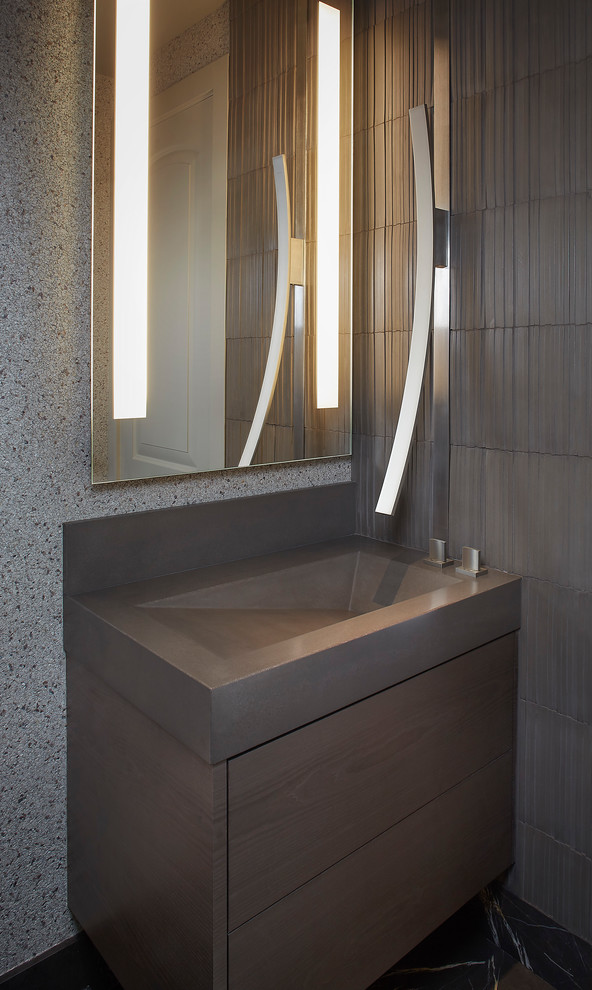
x=45, y=225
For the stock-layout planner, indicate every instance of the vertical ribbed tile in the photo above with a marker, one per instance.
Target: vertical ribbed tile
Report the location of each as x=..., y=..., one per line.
x=549, y=389
x=466, y=391
x=581, y=259
x=549, y=522
x=580, y=523
x=553, y=877
x=506, y=480
x=517, y=366
x=580, y=390
x=522, y=250
x=519, y=148
x=467, y=476
x=521, y=377
x=558, y=766
x=555, y=648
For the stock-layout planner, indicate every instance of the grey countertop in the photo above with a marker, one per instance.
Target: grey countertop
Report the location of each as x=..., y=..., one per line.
x=228, y=656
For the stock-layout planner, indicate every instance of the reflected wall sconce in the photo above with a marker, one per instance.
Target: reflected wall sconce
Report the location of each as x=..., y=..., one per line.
x=290, y=270
x=130, y=209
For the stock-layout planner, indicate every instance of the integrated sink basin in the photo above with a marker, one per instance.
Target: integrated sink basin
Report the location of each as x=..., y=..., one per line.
x=241, y=607
x=233, y=654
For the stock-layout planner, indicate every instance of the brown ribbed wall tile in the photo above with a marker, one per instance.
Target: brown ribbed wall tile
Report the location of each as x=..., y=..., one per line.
x=497, y=262
x=411, y=522
x=580, y=517
x=401, y=178
x=549, y=389
x=361, y=310
x=503, y=379
x=555, y=646
x=467, y=504
x=506, y=510
x=466, y=272
x=560, y=33
x=557, y=763
x=549, y=522
x=401, y=276
x=466, y=389
x=555, y=878
x=521, y=150
x=521, y=376
x=580, y=391
x=523, y=249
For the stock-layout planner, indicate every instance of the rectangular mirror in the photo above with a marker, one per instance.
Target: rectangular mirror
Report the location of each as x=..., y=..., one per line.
x=216, y=316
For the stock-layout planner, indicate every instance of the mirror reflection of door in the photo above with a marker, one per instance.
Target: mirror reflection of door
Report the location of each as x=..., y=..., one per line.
x=184, y=427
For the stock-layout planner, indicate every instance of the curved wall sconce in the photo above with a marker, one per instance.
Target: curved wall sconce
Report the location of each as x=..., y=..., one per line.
x=424, y=272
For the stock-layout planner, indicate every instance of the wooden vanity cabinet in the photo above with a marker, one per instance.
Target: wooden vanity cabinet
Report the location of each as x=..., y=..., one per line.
x=313, y=861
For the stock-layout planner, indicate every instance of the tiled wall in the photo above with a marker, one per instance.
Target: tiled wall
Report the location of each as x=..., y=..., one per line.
x=521, y=385
x=45, y=228
x=521, y=364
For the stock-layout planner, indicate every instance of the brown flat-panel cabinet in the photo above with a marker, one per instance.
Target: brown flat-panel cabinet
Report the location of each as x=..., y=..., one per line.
x=314, y=861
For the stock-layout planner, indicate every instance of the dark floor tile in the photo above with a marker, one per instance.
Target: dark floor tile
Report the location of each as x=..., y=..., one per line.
x=457, y=956
x=557, y=956
x=519, y=978
x=494, y=942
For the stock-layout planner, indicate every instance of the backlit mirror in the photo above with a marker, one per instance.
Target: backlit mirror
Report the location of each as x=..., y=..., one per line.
x=218, y=309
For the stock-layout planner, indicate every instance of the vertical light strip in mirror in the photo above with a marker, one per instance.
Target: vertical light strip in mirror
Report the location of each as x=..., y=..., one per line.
x=424, y=273
x=130, y=209
x=327, y=321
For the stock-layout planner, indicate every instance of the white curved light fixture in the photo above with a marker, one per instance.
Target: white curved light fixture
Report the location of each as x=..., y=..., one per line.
x=424, y=198
x=130, y=209
x=280, y=315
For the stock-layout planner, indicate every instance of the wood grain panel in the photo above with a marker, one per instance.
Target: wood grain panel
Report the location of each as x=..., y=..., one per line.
x=302, y=802
x=384, y=898
x=146, y=844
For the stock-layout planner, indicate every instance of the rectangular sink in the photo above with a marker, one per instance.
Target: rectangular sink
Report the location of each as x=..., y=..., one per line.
x=228, y=656
x=291, y=596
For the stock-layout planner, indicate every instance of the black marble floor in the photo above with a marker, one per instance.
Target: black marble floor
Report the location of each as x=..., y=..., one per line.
x=495, y=942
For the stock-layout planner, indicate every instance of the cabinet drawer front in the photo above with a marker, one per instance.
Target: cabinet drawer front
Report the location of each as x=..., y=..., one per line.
x=302, y=802
x=349, y=925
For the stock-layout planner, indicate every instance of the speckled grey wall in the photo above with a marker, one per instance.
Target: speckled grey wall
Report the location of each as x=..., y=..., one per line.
x=45, y=214
x=197, y=46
